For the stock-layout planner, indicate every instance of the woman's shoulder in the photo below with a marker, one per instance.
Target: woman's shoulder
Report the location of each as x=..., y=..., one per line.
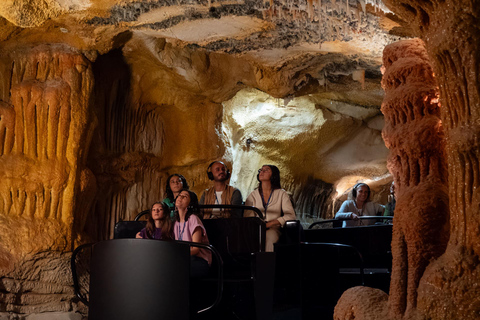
x=194, y=219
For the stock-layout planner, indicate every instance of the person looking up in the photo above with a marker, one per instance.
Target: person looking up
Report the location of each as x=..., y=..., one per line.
x=159, y=224
x=359, y=206
x=273, y=201
x=189, y=227
x=221, y=193
x=175, y=183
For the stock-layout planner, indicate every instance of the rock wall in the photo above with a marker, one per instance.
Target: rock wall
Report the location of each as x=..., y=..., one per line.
x=46, y=126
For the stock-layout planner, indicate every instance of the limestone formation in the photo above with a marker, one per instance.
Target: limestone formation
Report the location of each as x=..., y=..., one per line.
x=414, y=135
x=46, y=126
x=40, y=283
x=449, y=287
x=362, y=303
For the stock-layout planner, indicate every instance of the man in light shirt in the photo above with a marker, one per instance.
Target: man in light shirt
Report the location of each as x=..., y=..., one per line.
x=221, y=193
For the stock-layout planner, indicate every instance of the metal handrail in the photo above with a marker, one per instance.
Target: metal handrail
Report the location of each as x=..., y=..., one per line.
x=341, y=245
x=347, y=219
x=141, y=214
x=219, y=270
x=215, y=206
x=73, y=266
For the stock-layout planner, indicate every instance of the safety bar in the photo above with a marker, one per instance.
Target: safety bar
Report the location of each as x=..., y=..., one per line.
x=218, y=298
x=341, y=245
x=73, y=266
x=219, y=270
x=215, y=206
x=360, y=217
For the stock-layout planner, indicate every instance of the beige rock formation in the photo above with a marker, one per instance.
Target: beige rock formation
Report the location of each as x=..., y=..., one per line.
x=46, y=129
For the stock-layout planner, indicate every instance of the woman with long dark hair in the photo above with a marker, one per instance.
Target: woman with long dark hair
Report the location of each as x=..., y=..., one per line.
x=273, y=201
x=189, y=227
x=175, y=183
x=159, y=224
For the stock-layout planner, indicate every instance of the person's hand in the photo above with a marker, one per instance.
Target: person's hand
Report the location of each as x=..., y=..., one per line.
x=355, y=217
x=138, y=236
x=272, y=223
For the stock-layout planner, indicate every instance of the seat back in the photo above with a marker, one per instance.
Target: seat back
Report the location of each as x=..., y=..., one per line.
x=128, y=229
x=236, y=236
x=132, y=279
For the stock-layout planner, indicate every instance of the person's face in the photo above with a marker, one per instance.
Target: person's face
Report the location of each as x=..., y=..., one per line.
x=265, y=173
x=157, y=211
x=183, y=200
x=176, y=184
x=362, y=193
x=219, y=172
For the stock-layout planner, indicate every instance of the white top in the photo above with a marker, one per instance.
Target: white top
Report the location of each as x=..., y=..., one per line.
x=278, y=203
x=349, y=207
x=218, y=200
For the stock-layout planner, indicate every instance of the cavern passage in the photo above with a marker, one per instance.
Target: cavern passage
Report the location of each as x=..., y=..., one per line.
x=101, y=100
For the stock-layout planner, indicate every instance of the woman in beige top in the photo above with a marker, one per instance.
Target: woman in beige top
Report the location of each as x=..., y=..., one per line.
x=273, y=202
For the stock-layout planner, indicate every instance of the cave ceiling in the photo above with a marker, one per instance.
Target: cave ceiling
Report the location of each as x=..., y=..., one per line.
x=205, y=53
x=295, y=46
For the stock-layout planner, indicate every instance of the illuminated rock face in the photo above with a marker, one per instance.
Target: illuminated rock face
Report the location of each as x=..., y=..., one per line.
x=46, y=127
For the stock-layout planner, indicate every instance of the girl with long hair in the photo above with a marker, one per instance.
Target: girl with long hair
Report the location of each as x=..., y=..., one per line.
x=159, y=224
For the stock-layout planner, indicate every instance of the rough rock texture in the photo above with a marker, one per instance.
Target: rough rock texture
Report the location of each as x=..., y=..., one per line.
x=418, y=163
x=362, y=303
x=39, y=284
x=449, y=288
x=45, y=126
x=417, y=160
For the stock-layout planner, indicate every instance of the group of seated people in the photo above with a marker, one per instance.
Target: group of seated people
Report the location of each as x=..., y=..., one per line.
x=177, y=217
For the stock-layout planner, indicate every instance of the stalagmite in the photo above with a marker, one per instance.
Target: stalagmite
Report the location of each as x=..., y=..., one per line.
x=417, y=161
